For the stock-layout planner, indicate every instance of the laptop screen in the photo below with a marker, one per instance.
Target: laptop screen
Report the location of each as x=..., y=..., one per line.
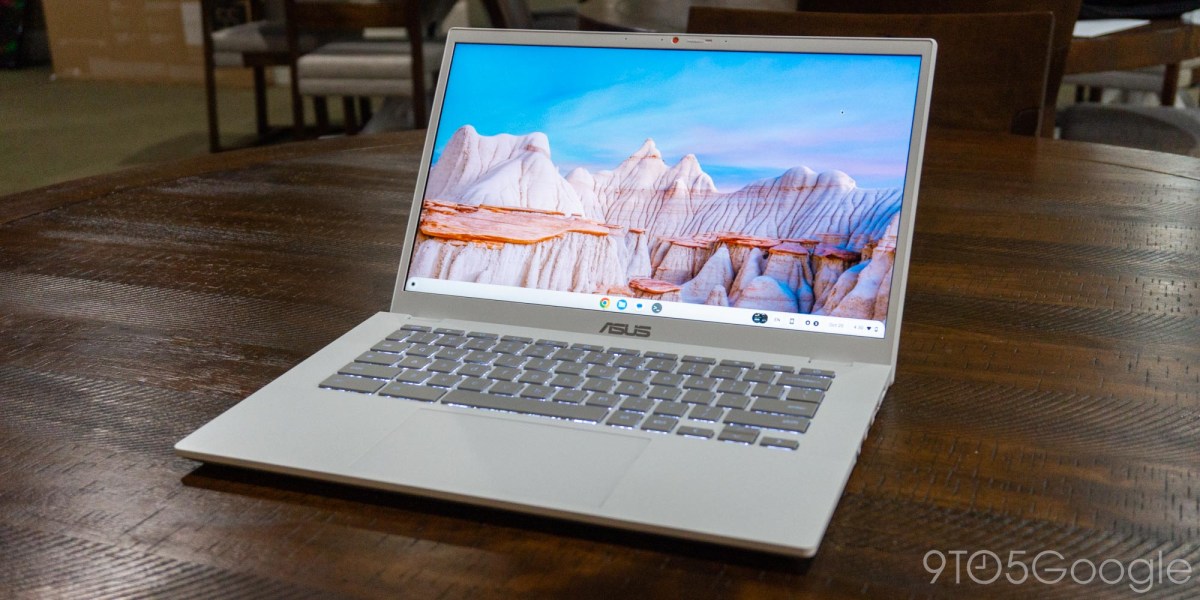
x=753, y=188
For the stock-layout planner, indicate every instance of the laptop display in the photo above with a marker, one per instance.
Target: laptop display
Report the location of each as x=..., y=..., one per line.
x=753, y=188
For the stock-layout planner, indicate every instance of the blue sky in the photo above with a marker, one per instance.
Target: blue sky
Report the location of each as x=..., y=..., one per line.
x=745, y=115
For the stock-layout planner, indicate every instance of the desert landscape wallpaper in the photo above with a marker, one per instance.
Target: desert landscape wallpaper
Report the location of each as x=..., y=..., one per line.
x=519, y=193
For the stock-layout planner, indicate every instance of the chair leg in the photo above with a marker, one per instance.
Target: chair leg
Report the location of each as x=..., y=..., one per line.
x=260, y=101
x=297, y=104
x=322, y=109
x=1170, y=86
x=349, y=115
x=364, y=109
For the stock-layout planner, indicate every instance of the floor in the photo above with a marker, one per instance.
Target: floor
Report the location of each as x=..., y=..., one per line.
x=56, y=130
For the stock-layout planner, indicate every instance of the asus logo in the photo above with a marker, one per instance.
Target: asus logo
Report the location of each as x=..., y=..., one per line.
x=625, y=329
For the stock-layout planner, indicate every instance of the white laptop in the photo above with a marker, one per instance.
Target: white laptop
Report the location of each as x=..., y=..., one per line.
x=651, y=281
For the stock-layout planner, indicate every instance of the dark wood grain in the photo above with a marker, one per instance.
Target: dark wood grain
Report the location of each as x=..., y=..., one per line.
x=1047, y=398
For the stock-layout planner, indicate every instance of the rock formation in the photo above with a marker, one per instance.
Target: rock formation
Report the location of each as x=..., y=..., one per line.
x=497, y=210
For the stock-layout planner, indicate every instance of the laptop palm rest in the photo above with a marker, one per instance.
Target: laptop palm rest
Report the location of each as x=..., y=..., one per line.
x=480, y=455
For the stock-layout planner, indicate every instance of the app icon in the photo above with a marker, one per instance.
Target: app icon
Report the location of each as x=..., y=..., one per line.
x=639, y=306
x=604, y=303
x=759, y=317
x=656, y=307
x=621, y=304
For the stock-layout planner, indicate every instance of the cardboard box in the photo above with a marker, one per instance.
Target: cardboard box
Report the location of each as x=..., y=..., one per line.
x=130, y=40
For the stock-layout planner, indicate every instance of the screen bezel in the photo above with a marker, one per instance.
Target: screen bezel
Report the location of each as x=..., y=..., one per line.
x=828, y=346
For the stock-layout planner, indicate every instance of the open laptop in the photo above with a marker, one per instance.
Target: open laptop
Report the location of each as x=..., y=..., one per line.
x=650, y=281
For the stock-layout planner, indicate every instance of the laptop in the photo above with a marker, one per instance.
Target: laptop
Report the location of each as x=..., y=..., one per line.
x=653, y=282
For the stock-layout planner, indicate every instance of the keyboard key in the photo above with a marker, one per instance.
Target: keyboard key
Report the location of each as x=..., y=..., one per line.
x=399, y=335
x=412, y=392
x=480, y=357
x=658, y=423
x=508, y=347
x=776, y=368
x=667, y=379
x=706, y=413
x=637, y=404
x=391, y=346
x=603, y=371
x=517, y=339
x=692, y=369
x=630, y=388
x=555, y=343
x=625, y=351
x=759, y=376
x=661, y=392
x=764, y=390
x=726, y=372
x=445, y=331
x=665, y=355
x=601, y=399
x=733, y=401
x=568, y=354
x=752, y=419
x=538, y=351
x=599, y=358
x=699, y=432
x=423, y=338
x=378, y=358
x=444, y=380
x=775, y=442
x=570, y=396
x=503, y=373
x=629, y=362
x=599, y=385
x=818, y=373
x=699, y=383
x=352, y=384
x=741, y=364
x=733, y=387
x=661, y=364
x=556, y=410
x=805, y=395
x=413, y=376
x=671, y=409
x=369, y=370
x=483, y=335
x=451, y=353
x=450, y=341
x=806, y=381
x=535, y=377
x=567, y=381
x=443, y=366
x=698, y=397
x=414, y=362
x=411, y=327
x=475, y=384
x=738, y=434
x=470, y=370
x=537, y=392
x=634, y=375
x=782, y=407
x=479, y=344
x=509, y=360
x=423, y=350
x=587, y=347
x=699, y=359
x=570, y=368
x=506, y=388
x=623, y=418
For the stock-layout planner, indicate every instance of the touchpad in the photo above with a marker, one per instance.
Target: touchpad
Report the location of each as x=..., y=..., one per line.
x=481, y=455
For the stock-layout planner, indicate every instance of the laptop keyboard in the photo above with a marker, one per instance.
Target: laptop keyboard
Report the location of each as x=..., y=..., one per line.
x=703, y=397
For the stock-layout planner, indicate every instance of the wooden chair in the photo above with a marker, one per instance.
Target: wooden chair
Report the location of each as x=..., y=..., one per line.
x=516, y=14
x=354, y=68
x=1066, y=12
x=258, y=44
x=991, y=68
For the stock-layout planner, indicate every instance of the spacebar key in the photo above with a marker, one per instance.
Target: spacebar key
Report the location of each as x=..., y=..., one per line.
x=526, y=406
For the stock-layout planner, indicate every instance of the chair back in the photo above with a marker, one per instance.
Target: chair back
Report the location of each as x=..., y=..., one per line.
x=1066, y=12
x=331, y=17
x=991, y=68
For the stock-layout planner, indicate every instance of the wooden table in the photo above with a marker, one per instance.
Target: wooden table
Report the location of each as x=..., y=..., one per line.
x=1047, y=398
